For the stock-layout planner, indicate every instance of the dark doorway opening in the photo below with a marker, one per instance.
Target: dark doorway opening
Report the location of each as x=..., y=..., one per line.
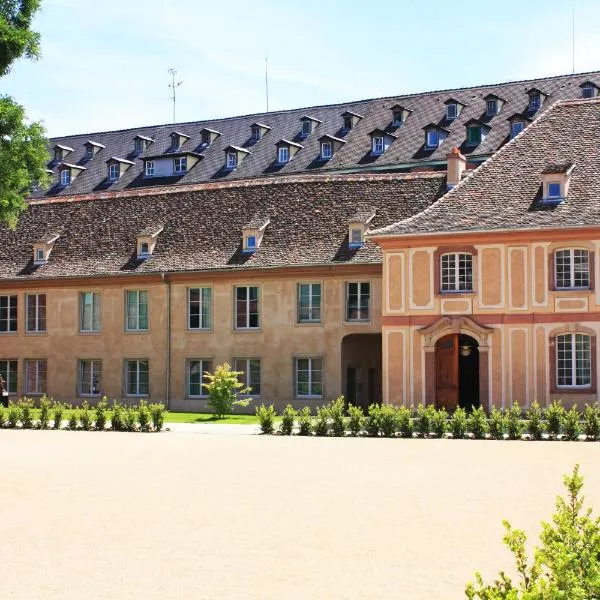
x=361, y=368
x=468, y=372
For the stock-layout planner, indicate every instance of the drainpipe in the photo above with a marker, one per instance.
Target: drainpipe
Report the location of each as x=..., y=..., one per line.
x=168, y=362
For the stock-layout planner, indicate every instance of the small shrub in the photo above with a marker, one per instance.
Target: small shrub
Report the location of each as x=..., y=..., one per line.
x=288, y=417
x=100, y=414
x=130, y=418
x=477, y=423
x=572, y=428
x=2, y=416
x=591, y=416
x=514, y=424
x=321, y=422
x=356, y=419
x=336, y=415
x=535, y=423
x=388, y=420
x=439, y=422
x=73, y=419
x=44, y=412
x=405, y=422
x=143, y=416
x=266, y=418
x=117, y=419
x=85, y=417
x=304, y=421
x=373, y=420
x=58, y=410
x=497, y=423
x=555, y=414
x=157, y=415
x=13, y=416
x=25, y=413
x=425, y=415
x=224, y=388
x=458, y=423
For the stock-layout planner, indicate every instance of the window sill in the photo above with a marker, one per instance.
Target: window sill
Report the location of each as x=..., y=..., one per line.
x=573, y=391
x=457, y=293
x=36, y=333
x=199, y=330
x=309, y=397
x=309, y=323
x=574, y=291
x=94, y=332
x=136, y=331
x=247, y=329
x=357, y=322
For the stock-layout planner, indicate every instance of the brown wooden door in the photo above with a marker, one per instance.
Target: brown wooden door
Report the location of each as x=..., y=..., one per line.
x=446, y=367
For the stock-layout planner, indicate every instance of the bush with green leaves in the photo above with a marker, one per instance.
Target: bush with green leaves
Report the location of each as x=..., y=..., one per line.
x=555, y=415
x=565, y=565
x=288, y=418
x=425, y=415
x=73, y=420
x=373, y=420
x=85, y=417
x=117, y=418
x=100, y=416
x=514, y=424
x=405, y=422
x=458, y=423
x=266, y=418
x=337, y=408
x=130, y=418
x=477, y=423
x=321, y=422
x=439, y=422
x=58, y=411
x=44, y=412
x=2, y=416
x=224, y=389
x=572, y=428
x=388, y=420
x=591, y=416
x=26, y=413
x=13, y=415
x=356, y=419
x=497, y=423
x=157, y=414
x=143, y=416
x=305, y=421
x=535, y=421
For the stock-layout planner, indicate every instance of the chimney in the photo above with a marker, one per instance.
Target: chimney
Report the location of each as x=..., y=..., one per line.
x=457, y=163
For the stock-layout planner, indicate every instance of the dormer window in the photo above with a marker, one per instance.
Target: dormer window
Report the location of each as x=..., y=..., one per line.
x=359, y=225
x=253, y=232
x=39, y=256
x=251, y=242
x=116, y=167
x=89, y=152
x=283, y=154
x=348, y=123
x=434, y=136
x=307, y=125
x=178, y=139
x=60, y=152
x=329, y=146
x=588, y=90
x=65, y=177
x=536, y=98
x=149, y=168
x=356, y=236
x=350, y=120
x=205, y=138
x=326, y=150
x=234, y=155
x=231, y=160
x=144, y=249
x=399, y=115
x=516, y=127
x=377, y=145
x=491, y=107
x=140, y=143
x=451, y=111
x=380, y=141
x=92, y=148
x=553, y=190
x=286, y=150
x=180, y=165
x=43, y=248
x=258, y=130
x=114, y=171
x=208, y=136
x=555, y=182
x=256, y=135
x=476, y=132
x=146, y=242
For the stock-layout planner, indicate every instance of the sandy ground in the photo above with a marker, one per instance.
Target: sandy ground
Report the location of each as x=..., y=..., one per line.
x=178, y=516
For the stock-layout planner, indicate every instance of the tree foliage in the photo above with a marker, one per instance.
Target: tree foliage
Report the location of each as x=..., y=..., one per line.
x=224, y=388
x=565, y=565
x=16, y=38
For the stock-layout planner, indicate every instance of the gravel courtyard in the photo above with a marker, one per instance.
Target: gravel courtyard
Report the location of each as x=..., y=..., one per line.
x=181, y=515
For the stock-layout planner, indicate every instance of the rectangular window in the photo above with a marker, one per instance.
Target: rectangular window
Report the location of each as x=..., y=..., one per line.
x=306, y=127
x=397, y=119
x=175, y=142
x=456, y=272
x=36, y=312
x=195, y=369
x=347, y=123
x=137, y=310
x=114, y=171
x=250, y=373
x=283, y=154
x=572, y=269
x=377, y=145
x=180, y=165
x=534, y=102
x=89, y=311
x=573, y=360
x=8, y=314
x=246, y=307
x=8, y=372
x=149, y=168
x=256, y=134
x=89, y=152
x=451, y=111
x=199, y=308
x=138, y=146
x=554, y=190
x=309, y=303
x=65, y=177
x=89, y=377
x=231, y=160
x=587, y=91
x=136, y=377
x=358, y=298
x=433, y=139
x=309, y=377
x=473, y=135
x=491, y=108
x=326, y=152
x=356, y=236
x=35, y=375
x=516, y=128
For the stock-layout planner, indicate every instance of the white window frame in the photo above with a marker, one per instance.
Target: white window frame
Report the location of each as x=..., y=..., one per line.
x=554, y=196
x=244, y=365
x=361, y=294
x=356, y=236
x=247, y=302
x=573, y=360
x=114, y=171
x=397, y=118
x=132, y=321
x=35, y=388
x=492, y=104
x=95, y=305
x=65, y=177
x=432, y=134
x=306, y=127
x=283, y=154
x=251, y=242
x=95, y=377
x=514, y=126
x=138, y=146
x=39, y=255
x=175, y=142
x=451, y=108
x=311, y=371
x=571, y=254
x=204, y=324
x=180, y=165
x=378, y=145
x=535, y=102
x=32, y=302
x=10, y=368
x=312, y=289
x=232, y=160
x=326, y=150
x=256, y=133
x=89, y=152
x=138, y=364
x=10, y=322
x=149, y=168
x=206, y=365
x=453, y=285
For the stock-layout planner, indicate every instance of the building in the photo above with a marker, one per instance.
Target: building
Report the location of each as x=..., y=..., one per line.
x=276, y=242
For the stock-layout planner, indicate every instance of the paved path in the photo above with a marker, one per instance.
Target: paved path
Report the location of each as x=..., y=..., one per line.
x=213, y=429
x=111, y=516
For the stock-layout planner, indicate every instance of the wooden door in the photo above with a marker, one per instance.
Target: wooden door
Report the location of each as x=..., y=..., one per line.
x=446, y=367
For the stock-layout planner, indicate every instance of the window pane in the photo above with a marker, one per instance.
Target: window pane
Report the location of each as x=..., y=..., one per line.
x=564, y=360
x=583, y=360
x=35, y=376
x=8, y=371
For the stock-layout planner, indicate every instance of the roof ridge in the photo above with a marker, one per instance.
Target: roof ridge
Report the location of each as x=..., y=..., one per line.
x=329, y=105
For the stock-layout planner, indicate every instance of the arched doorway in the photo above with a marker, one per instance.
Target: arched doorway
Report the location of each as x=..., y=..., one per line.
x=457, y=372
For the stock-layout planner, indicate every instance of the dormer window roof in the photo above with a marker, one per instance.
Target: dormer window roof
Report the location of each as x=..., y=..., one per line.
x=493, y=105
x=350, y=120
x=434, y=135
x=146, y=241
x=555, y=182
x=178, y=139
x=92, y=148
x=536, y=99
x=380, y=141
x=329, y=146
x=43, y=247
x=476, y=132
x=308, y=124
x=399, y=114
x=589, y=89
x=140, y=143
x=208, y=136
x=453, y=108
x=69, y=172
x=359, y=224
x=258, y=130
x=286, y=150
x=234, y=155
x=60, y=152
x=116, y=167
x=253, y=232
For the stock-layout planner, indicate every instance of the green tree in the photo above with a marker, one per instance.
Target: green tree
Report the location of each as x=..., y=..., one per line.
x=23, y=147
x=224, y=388
x=565, y=565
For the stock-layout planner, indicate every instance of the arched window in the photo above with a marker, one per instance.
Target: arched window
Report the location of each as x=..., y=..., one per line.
x=573, y=360
x=571, y=269
x=456, y=272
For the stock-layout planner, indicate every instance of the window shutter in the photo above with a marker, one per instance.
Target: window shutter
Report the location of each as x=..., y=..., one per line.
x=551, y=277
x=591, y=263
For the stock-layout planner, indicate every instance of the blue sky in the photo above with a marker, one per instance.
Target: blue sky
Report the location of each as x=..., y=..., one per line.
x=104, y=62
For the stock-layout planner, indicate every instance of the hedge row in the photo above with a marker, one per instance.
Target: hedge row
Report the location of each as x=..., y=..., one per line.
x=102, y=417
x=339, y=419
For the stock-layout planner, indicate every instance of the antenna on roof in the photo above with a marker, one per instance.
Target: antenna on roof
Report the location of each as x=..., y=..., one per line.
x=174, y=85
x=267, y=80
